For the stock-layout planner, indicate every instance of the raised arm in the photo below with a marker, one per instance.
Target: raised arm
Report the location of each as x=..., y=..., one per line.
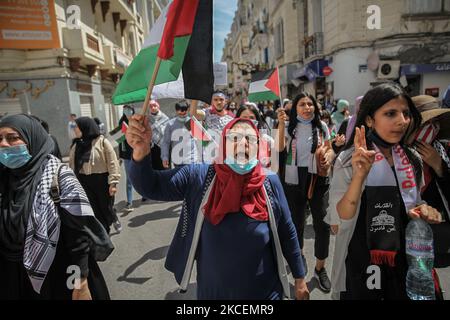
x=362, y=160
x=194, y=112
x=166, y=185
x=280, y=136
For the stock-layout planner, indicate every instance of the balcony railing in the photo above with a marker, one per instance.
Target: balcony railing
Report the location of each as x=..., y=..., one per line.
x=92, y=43
x=83, y=44
x=313, y=45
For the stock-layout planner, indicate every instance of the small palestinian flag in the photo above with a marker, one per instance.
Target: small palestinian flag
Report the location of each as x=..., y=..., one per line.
x=198, y=131
x=427, y=133
x=182, y=38
x=118, y=134
x=265, y=86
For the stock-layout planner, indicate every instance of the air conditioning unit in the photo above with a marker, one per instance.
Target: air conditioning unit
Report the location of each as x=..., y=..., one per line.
x=388, y=69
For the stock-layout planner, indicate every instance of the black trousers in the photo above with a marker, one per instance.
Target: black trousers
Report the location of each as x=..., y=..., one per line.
x=297, y=197
x=156, y=158
x=97, y=191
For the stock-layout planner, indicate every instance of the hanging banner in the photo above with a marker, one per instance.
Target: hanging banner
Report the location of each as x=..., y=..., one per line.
x=220, y=74
x=28, y=24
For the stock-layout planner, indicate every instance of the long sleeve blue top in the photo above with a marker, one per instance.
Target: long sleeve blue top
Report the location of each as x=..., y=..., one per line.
x=218, y=243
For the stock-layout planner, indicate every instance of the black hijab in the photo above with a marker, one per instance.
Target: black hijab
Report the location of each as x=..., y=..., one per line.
x=18, y=186
x=83, y=146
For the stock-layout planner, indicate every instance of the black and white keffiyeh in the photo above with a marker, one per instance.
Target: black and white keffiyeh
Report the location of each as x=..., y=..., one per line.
x=44, y=223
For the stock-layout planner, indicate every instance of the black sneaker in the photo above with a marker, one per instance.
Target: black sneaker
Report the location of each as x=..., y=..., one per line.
x=322, y=278
x=305, y=265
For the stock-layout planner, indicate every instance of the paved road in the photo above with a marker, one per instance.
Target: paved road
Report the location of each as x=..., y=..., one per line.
x=135, y=270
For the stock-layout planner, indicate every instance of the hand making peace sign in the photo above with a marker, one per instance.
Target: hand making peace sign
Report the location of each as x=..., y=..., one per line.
x=362, y=159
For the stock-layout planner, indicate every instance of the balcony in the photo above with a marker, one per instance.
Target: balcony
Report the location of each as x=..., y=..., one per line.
x=259, y=39
x=83, y=44
x=122, y=60
x=313, y=45
x=110, y=61
x=125, y=8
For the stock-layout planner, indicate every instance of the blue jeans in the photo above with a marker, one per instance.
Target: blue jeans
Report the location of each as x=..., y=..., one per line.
x=129, y=185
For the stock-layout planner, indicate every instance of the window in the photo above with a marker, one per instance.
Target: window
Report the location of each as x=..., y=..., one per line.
x=429, y=6
x=92, y=43
x=279, y=43
x=317, y=14
x=266, y=55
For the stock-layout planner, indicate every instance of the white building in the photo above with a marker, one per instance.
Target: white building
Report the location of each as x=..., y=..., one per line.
x=92, y=44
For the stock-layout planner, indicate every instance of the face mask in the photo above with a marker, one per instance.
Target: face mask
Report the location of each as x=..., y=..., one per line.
x=182, y=118
x=304, y=121
x=14, y=157
x=128, y=112
x=241, y=168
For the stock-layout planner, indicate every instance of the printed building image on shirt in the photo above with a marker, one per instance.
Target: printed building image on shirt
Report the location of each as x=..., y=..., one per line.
x=383, y=220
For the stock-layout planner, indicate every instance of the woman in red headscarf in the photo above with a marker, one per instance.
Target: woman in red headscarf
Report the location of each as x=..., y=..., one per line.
x=235, y=221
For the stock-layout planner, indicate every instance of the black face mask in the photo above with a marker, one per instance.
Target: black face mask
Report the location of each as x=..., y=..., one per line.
x=375, y=138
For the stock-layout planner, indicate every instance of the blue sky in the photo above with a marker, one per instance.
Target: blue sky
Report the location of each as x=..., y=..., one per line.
x=223, y=18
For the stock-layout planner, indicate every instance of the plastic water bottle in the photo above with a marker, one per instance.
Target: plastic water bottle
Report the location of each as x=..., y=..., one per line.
x=420, y=256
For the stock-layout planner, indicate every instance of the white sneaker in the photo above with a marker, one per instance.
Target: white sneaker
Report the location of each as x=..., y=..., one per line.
x=118, y=226
x=128, y=207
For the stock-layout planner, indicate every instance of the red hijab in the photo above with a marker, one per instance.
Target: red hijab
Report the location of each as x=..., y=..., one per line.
x=232, y=192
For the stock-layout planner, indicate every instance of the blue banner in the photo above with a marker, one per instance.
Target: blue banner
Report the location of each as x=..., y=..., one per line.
x=410, y=69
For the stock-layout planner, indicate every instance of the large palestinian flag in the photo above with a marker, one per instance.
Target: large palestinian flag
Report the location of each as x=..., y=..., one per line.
x=264, y=86
x=182, y=38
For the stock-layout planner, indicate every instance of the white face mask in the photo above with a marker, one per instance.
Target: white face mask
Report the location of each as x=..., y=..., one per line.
x=182, y=118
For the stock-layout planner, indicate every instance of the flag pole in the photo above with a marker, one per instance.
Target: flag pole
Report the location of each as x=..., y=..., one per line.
x=279, y=86
x=150, y=86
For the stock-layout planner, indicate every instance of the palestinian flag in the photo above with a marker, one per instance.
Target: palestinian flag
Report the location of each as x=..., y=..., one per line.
x=265, y=86
x=118, y=134
x=198, y=131
x=427, y=133
x=182, y=38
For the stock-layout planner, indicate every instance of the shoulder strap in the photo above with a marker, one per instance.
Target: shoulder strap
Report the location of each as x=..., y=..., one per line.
x=209, y=177
x=282, y=272
x=54, y=188
x=197, y=228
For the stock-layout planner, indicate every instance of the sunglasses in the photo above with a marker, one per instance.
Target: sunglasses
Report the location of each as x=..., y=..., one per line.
x=182, y=109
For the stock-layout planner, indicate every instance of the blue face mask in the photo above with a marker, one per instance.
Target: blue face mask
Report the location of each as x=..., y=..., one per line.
x=304, y=121
x=128, y=112
x=241, y=168
x=14, y=157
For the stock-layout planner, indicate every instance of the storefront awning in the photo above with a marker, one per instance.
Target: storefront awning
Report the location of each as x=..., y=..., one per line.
x=410, y=69
x=311, y=71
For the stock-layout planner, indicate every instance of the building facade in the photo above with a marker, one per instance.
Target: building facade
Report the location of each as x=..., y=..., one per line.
x=340, y=49
x=369, y=42
x=97, y=42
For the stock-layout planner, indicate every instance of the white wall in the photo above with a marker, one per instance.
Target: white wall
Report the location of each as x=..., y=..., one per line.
x=439, y=80
x=349, y=83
